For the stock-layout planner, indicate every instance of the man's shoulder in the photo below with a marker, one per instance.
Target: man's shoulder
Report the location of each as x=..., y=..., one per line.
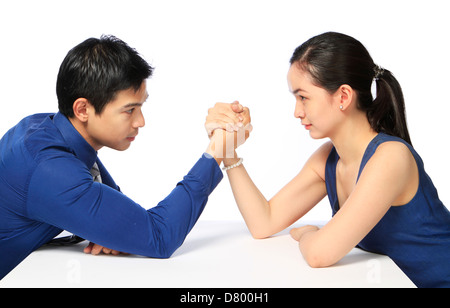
x=35, y=134
x=24, y=147
x=33, y=121
x=29, y=125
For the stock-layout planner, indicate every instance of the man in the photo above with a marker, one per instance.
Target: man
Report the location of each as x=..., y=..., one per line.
x=47, y=164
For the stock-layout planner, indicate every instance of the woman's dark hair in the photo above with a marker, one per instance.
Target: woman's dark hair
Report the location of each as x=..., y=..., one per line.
x=333, y=59
x=96, y=70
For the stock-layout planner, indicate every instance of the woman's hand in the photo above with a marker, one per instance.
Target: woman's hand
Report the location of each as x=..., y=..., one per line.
x=228, y=126
x=297, y=233
x=228, y=117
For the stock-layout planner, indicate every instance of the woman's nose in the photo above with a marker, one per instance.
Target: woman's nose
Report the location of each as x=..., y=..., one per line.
x=299, y=111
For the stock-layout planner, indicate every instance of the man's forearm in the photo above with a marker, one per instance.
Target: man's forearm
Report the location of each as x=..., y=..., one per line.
x=175, y=216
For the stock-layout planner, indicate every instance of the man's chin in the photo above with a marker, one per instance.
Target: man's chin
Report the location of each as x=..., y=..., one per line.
x=121, y=147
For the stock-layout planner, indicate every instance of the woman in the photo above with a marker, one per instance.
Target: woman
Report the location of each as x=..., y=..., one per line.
x=381, y=197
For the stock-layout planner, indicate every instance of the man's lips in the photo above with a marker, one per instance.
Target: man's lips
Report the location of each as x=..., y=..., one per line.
x=131, y=138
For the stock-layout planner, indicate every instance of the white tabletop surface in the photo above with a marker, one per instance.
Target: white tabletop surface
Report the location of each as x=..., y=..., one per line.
x=216, y=254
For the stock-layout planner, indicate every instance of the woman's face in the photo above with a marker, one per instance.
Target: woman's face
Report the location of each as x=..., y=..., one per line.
x=317, y=109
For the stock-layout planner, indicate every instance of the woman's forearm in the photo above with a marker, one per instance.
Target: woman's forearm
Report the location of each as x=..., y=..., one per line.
x=253, y=206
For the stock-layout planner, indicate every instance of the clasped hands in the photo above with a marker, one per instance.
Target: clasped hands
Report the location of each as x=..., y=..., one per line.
x=228, y=126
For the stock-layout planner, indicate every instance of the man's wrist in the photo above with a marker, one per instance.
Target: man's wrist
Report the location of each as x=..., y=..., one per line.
x=211, y=151
x=218, y=148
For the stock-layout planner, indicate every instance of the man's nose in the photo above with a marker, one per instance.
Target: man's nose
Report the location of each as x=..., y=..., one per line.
x=139, y=121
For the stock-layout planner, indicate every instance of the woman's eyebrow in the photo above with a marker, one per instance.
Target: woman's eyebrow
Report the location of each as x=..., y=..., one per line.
x=295, y=92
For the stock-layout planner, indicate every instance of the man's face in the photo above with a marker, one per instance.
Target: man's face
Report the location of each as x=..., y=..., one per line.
x=118, y=124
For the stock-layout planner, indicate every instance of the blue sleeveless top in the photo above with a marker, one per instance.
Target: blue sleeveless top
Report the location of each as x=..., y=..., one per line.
x=416, y=236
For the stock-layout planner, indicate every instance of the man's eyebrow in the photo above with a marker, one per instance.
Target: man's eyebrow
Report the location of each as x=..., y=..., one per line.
x=135, y=104
x=132, y=105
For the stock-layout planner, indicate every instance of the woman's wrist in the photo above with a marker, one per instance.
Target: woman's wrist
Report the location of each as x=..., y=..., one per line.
x=229, y=161
x=234, y=165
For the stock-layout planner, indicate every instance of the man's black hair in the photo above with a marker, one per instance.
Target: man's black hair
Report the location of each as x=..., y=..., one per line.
x=96, y=70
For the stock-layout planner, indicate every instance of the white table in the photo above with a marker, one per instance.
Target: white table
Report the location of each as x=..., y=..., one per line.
x=216, y=254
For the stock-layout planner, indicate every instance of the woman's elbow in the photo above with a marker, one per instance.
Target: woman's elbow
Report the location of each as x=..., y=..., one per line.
x=316, y=262
x=259, y=234
x=261, y=231
x=319, y=259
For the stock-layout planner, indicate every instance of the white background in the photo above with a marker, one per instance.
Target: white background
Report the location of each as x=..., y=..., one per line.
x=210, y=51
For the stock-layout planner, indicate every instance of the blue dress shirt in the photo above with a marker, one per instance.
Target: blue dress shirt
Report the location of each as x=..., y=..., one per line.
x=46, y=187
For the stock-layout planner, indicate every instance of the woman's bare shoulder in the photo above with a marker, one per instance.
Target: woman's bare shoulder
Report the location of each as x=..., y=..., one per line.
x=319, y=158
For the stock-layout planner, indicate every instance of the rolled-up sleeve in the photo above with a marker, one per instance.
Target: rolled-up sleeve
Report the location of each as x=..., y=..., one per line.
x=62, y=193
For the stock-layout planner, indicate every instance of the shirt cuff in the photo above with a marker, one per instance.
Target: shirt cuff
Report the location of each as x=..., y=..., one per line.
x=207, y=172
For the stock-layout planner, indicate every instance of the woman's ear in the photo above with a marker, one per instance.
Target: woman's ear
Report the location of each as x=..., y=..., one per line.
x=345, y=95
x=80, y=109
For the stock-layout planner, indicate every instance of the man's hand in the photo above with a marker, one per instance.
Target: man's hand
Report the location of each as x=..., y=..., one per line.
x=228, y=117
x=95, y=249
x=228, y=126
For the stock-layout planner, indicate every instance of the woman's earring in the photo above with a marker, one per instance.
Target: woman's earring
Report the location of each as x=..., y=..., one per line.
x=341, y=107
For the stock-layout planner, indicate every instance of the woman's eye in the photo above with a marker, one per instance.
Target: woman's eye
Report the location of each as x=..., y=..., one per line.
x=130, y=111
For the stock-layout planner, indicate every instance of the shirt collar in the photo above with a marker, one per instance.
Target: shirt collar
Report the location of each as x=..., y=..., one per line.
x=82, y=149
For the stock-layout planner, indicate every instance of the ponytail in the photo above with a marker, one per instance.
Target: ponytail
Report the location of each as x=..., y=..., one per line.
x=333, y=59
x=387, y=113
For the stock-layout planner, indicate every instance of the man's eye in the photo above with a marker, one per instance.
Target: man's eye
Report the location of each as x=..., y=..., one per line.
x=130, y=111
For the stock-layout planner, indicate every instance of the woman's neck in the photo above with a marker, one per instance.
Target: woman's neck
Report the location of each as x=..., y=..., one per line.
x=351, y=140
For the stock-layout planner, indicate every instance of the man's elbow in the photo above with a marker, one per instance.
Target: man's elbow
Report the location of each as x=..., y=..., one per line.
x=163, y=254
x=169, y=250
x=161, y=249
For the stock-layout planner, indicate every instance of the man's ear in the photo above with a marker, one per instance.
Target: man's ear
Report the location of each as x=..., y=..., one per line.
x=80, y=109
